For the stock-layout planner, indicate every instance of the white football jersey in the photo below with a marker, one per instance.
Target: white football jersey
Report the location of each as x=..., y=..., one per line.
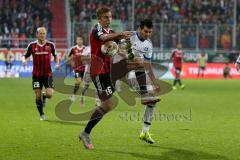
x=238, y=60
x=87, y=52
x=142, y=48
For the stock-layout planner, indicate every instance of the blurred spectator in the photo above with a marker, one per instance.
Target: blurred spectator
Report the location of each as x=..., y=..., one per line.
x=225, y=40
x=203, y=42
x=20, y=19
x=9, y=58
x=184, y=12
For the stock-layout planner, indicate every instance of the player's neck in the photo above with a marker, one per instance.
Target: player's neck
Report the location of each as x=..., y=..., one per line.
x=140, y=37
x=80, y=46
x=41, y=42
x=107, y=29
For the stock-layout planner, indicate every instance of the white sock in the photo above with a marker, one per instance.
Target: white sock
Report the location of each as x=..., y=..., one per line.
x=147, y=118
x=145, y=128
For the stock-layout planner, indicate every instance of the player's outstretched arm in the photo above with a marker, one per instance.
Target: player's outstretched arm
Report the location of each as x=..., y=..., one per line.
x=153, y=79
x=25, y=60
x=116, y=36
x=56, y=60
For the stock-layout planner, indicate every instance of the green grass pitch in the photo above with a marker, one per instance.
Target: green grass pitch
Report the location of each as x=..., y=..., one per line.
x=201, y=122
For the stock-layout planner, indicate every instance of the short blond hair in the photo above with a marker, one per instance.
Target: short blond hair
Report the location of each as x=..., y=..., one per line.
x=41, y=28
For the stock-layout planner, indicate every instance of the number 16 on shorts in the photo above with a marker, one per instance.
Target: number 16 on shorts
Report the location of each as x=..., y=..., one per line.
x=109, y=90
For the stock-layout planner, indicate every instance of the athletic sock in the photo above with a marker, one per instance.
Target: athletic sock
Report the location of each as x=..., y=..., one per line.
x=85, y=88
x=148, y=117
x=76, y=89
x=39, y=105
x=95, y=118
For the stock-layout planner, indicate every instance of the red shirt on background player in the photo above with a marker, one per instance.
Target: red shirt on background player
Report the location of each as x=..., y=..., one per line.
x=177, y=58
x=42, y=52
x=79, y=54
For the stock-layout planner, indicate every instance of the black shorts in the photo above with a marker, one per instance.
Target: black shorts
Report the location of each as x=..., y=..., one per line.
x=104, y=86
x=142, y=81
x=178, y=70
x=202, y=67
x=79, y=74
x=39, y=82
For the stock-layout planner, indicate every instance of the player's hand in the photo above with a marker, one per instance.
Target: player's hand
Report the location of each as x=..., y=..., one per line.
x=126, y=34
x=57, y=66
x=24, y=62
x=156, y=85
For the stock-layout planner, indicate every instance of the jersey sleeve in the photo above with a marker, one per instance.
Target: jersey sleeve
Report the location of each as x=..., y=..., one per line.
x=87, y=51
x=53, y=50
x=29, y=51
x=97, y=32
x=70, y=53
x=148, y=54
x=173, y=54
x=238, y=60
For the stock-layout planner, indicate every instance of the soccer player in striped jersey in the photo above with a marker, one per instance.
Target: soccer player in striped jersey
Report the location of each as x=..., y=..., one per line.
x=41, y=51
x=80, y=56
x=100, y=70
x=177, y=58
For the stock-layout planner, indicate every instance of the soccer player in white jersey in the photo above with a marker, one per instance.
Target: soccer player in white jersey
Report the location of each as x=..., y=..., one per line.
x=142, y=47
x=237, y=64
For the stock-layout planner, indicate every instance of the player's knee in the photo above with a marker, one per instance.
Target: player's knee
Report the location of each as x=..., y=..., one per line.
x=107, y=106
x=38, y=96
x=78, y=81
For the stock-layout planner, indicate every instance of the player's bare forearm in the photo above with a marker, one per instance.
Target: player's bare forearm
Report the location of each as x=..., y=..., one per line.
x=148, y=67
x=115, y=36
x=25, y=60
x=151, y=75
x=56, y=59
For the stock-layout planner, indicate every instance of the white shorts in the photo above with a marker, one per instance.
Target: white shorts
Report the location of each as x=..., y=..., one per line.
x=131, y=77
x=87, y=78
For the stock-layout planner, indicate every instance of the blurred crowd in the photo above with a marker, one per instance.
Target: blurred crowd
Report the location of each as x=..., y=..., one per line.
x=203, y=24
x=164, y=11
x=198, y=19
x=19, y=20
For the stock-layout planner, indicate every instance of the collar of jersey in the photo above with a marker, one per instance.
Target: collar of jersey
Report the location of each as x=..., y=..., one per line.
x=41, y=44
x=79, y=47
x=140, y=38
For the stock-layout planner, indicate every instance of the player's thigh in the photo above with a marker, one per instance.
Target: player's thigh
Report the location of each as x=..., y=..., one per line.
x=48, y=82
x=105, y=90
x=78, y=76
x=37, y=84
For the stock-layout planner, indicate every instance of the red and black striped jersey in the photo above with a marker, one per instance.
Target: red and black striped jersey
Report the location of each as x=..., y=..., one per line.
x=177, y=57
x=100, y=64
x=42, y=55
x=77, y=53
